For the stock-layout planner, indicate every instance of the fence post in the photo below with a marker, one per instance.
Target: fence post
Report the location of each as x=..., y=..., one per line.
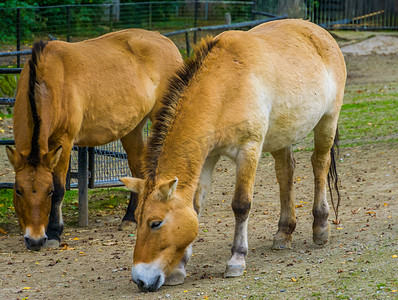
x=18, y=36
x=111, y=17
x=68, y=23
x=195, y=19
x=187, y=43
x=83, y=189
x=91, y=167
x=150, y=15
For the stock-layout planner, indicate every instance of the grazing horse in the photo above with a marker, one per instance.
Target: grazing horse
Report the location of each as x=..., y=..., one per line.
x=88, y=93
x=243, y=93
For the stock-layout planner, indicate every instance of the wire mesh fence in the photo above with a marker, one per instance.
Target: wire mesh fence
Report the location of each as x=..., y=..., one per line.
x=337, y=14
x=79, y=22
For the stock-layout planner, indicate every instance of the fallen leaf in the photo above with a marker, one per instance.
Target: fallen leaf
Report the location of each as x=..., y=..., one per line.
x=26, y=288
x=2, y=231
x=109, y=244
x=394, y=256
x=294, y=279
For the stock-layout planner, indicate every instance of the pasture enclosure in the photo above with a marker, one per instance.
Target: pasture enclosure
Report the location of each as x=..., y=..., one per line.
x=359, y=262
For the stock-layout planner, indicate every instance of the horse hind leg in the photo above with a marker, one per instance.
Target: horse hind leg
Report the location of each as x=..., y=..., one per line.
x=133, y=144
x=284, y=168
x=246, y=165
x=324, y=137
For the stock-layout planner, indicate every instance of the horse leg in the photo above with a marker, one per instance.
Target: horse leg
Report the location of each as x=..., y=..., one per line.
x=205, y=180
x=284, y=168
x=133, y=144
x=324, y=134
x=246, y=165
x=55, y=223
x=178, y=275
x=204, y=185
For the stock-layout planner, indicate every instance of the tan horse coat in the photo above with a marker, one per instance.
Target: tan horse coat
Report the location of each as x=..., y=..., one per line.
x=244, y=93
x=87, y=94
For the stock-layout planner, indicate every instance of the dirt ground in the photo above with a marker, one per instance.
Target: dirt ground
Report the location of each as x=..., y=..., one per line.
x=359, y=262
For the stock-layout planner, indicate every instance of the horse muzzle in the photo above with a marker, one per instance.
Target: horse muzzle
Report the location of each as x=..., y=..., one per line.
x=34, y=244
x=148, y=277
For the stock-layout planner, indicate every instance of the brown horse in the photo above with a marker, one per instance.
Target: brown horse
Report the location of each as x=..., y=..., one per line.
x=242, y=94
x=87, y=94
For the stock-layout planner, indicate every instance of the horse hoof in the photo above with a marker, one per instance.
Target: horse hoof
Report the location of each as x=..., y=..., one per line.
x=321, y=235
x=281, y=244
x=176, y=278
x=126, y=225
x=234, y=271
x=51, y=244
x=320, y=239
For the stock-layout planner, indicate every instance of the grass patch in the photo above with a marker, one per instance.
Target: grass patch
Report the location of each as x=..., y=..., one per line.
x=110, y=201
x=6, y=205
x=366, y=117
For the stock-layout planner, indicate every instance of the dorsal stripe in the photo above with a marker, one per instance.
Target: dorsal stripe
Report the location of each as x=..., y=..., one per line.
x=34, y=156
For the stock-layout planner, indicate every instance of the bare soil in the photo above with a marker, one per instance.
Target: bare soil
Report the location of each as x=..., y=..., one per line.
x=360, y=261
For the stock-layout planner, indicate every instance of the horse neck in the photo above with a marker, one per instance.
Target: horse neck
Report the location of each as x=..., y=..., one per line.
x=189, y=141
x=23, y=120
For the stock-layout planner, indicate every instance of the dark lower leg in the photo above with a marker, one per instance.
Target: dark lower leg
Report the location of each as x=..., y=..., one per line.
x=284, y=167
x=321, y=226
x=129, y=216
x=55, y=223
x=241, y=204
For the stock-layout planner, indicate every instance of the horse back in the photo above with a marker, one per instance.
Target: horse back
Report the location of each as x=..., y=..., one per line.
x=105, y=85
x=291, y=73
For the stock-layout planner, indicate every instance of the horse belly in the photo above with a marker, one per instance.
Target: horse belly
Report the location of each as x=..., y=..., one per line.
x=294, y=115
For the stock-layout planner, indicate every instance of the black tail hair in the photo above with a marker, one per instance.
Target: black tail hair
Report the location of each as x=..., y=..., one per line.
x=34, y=156
x=333, y=178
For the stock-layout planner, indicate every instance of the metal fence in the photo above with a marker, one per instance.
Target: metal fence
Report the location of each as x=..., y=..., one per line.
x=337, y=14
x=79, y=22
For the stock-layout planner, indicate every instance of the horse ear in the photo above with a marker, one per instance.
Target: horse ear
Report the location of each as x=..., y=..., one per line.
x=167, y=188
x=134, y=184
x=13, y=156
x=51, y=158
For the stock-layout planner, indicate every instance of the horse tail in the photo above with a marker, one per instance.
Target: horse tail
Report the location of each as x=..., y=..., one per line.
x=333, y=178
x=34, y=156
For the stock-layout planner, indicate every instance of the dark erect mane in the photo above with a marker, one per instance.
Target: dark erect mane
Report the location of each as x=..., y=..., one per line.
x=34, y=156
x=165, y=115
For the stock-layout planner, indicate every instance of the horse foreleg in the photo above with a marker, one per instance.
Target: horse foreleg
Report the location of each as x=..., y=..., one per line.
x=179, y=273
x=284, y=168
x=55, y=223
x=324, y=134
x=133, y=144
x=205, y=180
x=246, y=165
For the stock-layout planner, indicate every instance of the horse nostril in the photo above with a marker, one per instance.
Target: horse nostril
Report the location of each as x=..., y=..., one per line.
x=141, y=285
x=27, y=242
x=44, y=240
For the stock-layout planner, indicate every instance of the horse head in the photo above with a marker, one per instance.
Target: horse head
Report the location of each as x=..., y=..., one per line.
x=166, y=226
x=33, y=191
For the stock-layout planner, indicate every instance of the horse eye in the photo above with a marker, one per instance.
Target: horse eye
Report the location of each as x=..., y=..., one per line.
x=50, y=193
x=156, y=224
x=18, y=192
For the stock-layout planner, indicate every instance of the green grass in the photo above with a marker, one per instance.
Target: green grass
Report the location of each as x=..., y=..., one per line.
x=366, y=117
x=101, y=202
